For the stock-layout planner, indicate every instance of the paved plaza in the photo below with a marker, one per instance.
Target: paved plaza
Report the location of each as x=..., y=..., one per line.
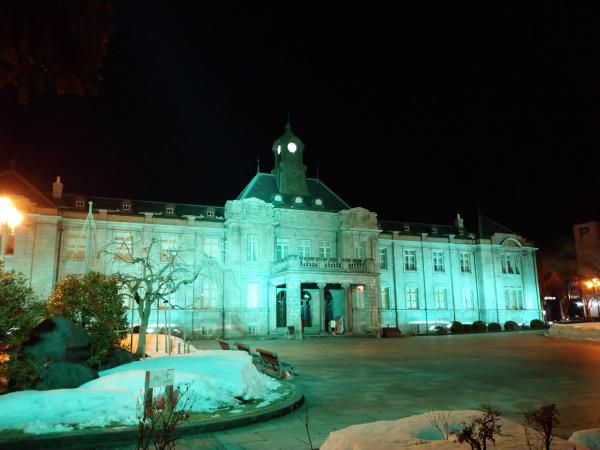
x=348, y=380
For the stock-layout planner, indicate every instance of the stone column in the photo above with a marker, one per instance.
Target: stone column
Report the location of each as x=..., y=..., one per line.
x=293, y=304
x=348, y=300
x=321, y=286
x=272, y=308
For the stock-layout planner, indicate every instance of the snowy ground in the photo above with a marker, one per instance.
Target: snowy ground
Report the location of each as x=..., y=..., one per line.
x=588, y=331
x=215, y=378
x=419, y=432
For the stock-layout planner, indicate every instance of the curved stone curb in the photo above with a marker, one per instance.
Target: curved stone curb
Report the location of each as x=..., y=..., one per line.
x=113, y=437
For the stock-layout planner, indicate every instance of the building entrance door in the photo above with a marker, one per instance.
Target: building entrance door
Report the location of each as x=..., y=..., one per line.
x=281, y=309
x=305, y=305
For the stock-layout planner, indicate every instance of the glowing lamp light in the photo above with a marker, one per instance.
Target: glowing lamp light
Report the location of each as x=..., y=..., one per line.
x=9, y=214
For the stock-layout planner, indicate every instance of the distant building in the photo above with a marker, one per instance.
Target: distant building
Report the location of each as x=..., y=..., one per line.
x=291, y=253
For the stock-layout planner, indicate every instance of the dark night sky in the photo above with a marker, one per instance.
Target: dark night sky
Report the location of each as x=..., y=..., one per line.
x=415, y=112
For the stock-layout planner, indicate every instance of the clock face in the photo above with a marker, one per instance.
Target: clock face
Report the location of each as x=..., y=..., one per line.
x=292, y=147
x=279, y=149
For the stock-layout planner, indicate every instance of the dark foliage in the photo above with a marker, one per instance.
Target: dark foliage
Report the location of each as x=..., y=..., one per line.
x=457, y=328
x=479, y=327
x=543, y=420
x=494, y=326
x=537, y=324
x=511, y=325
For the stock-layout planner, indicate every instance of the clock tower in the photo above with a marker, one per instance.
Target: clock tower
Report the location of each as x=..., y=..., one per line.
x=289, y=169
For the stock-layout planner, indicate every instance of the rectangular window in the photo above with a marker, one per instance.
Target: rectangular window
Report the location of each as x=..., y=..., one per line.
x=410, y=260
x=282, y=249
x=252, y=295
x=465, y=262
x=439, y=297
x=467, y=295
x=510, y=264
x=513, y=297
x=208, y=298
x=358, y=297
x=212, y=247
x=385, y=298
x=383, y=262
x=252, y=248
x=438, y=261
x=168, y=247
x=412, y=298
x=304, y=248
x=124, y=247
x=360, y=247
x=9, y=248
x=325, y=250
x=75, y=246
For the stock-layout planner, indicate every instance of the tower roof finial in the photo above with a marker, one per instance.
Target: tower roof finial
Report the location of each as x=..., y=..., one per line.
x=258, y=164
x=288, y=126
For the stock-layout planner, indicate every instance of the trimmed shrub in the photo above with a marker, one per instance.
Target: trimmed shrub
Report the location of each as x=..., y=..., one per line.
x=92, y=301
x=511, y=325
x=537, y=324
x=457, y=328
x=479, y=327
x=441, y=329
x=467, y=328
x=494, y=327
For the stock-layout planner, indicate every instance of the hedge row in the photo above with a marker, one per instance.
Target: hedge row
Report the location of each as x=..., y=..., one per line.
x=480, y=327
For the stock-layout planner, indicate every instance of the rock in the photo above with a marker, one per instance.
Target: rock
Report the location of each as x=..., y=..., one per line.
x=59, y=350
x=58, y=340
x=118, y=357
x=65, y=375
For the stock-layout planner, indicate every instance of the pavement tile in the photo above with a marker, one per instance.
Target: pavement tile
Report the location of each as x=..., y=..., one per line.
x=282, y=444
x=239, y=438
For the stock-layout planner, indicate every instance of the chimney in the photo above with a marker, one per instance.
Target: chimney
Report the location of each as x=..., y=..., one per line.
x=57, y=189
x=459, y=224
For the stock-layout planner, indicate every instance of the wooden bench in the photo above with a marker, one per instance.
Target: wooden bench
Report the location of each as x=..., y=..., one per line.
x=224, y=344
x=256, y=359
x=271, y=364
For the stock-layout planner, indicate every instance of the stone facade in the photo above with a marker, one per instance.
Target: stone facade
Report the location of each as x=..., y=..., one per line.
x=295, y=255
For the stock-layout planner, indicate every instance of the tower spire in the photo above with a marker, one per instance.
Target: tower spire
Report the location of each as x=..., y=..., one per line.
x=288, y=125
x=258, y=164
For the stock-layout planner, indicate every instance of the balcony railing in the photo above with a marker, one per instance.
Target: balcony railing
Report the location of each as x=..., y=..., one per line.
x=294, y=262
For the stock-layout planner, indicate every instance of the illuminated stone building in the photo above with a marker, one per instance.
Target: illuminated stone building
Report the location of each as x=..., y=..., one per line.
x=288, y=252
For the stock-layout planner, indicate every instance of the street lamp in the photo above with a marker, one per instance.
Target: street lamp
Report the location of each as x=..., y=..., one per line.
x=594, y=284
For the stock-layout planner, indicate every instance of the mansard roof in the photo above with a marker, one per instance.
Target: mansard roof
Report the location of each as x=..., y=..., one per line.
x=417, y=228
x=264, y=187
x=12, y=182
x=116, y=205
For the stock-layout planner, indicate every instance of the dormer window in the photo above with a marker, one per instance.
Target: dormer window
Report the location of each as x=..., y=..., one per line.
x=318, y=202
x=210, y=214
x=406, y=228
x=126, y=206
x=434, y=229
x=79, y=203
x=169, y=210
x=298, y=200
x=278, y=198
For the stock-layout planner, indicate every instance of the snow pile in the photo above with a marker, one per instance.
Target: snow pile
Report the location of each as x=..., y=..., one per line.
x=215, y=378
x=418, y=432
x=588, y=331
x=586, y=438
